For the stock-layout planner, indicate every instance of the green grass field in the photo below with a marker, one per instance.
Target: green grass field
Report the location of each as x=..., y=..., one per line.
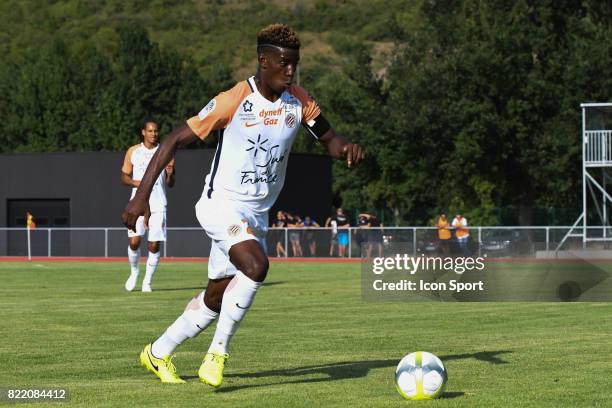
x=309, y=340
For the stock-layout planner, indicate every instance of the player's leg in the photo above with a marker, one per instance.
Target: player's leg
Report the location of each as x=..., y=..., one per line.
x=251, y=263
x=151, y=267
x=134, y=238
x=239, y=234
x=156, y=234
x=199, y=313
x=196, y=317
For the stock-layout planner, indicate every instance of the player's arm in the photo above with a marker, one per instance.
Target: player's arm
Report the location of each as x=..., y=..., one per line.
x=139, y=205
x=340, y=148
x=316, y=124
x=127, y=169
x=127, y=180
x=170, y=173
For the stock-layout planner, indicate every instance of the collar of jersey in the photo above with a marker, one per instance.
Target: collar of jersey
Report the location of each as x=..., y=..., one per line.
x=251, y=82
x=146, y=148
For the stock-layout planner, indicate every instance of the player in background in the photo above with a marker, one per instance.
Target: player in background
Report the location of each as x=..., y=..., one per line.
x=136, y=160
x=261, y=118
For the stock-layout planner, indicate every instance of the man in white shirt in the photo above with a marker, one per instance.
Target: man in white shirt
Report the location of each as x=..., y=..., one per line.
x=135, y=164
x=260, y=117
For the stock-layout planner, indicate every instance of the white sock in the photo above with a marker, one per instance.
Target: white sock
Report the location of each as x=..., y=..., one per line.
x=152, y=262
x=237, y=300
x=196, y=317
x=133, y=258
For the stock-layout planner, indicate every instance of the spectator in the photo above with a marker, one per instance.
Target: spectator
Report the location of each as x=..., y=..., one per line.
x=294, y=222
x=375, y=234
x=444, y=234
x=343, y=231
x=371, y=235
x=333, y=224
x=309, y=234
x=280, y=222
x=462, y=233
x=362, y=236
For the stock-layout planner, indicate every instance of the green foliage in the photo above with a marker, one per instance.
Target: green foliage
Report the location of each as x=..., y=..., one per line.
x=489, y=117
x=88, y=98
x=471, y=106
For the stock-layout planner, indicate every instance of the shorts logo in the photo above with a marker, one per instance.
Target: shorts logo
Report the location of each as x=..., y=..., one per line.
x=234, y=230
x=207, y=109
x=290, y=120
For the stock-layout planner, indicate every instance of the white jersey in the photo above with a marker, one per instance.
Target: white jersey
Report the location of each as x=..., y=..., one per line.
x=135, y=163
x=251, y=158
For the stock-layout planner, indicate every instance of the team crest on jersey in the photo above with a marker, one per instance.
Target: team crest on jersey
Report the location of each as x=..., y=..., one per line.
x=247, y=106
x=290, y=120
x=234, y=230
x=207, y=109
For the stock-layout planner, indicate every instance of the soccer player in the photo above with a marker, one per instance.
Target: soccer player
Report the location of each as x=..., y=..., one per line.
x=136, y=160
x=261, y=117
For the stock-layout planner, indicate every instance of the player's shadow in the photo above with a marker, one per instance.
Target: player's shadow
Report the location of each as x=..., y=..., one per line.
x=348, y=370
x=204, y=287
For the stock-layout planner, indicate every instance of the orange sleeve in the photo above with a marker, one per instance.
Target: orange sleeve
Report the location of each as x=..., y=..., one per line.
x=218, y=113
x=127, y=162
x=310, y=107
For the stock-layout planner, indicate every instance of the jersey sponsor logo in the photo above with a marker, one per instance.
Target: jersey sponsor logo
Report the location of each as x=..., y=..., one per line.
x=252, y=177
x=273, y=112
x=267, y=115
x=266, y=172
x=207, y=109
x=257, y=145
x=247, y=106
x=247, y=124
x=290, y=120
x=270, y=121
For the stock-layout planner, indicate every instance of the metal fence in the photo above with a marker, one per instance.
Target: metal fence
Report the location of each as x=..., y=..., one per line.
x=510, y=241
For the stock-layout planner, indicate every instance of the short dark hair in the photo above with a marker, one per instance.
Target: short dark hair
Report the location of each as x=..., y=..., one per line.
x=148, y=119
x=280, y=35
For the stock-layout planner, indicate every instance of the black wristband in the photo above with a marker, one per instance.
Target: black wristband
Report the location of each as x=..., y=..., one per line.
x=318, y=126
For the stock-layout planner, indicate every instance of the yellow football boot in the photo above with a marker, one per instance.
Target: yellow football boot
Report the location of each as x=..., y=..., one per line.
x=161, y=367
x=211, y=370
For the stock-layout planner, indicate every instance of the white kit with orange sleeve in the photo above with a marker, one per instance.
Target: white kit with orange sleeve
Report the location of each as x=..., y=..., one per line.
x=248, y=170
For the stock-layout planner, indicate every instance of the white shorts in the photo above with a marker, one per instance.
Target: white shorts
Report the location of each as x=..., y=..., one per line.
x=227, y=223
x=157, y=227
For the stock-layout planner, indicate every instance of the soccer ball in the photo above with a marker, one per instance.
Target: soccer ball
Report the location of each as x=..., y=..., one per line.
x=420, y=376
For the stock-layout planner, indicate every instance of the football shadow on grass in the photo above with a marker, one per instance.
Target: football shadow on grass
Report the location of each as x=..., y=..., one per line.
x=204, y=287
x=348, y=370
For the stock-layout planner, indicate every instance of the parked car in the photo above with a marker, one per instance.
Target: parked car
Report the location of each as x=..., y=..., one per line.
x=501, y=242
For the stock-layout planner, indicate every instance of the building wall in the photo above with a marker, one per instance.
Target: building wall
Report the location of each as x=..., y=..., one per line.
x=91, y=181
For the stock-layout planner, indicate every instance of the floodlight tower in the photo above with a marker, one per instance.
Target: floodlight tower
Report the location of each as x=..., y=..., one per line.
x=596, y=159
